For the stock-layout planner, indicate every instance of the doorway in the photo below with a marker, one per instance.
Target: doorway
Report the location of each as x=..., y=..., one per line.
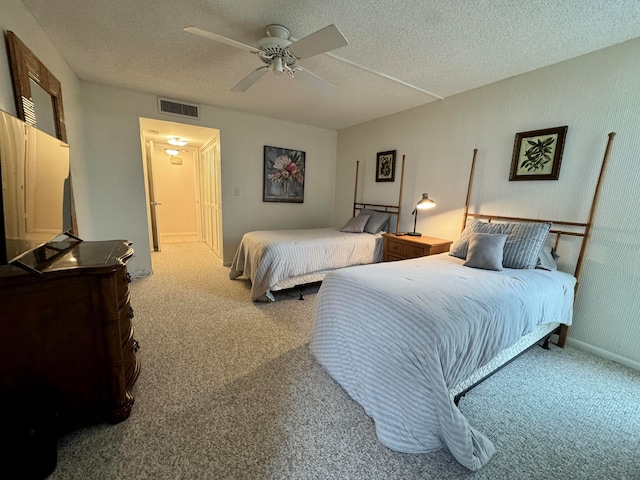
x=182, y=183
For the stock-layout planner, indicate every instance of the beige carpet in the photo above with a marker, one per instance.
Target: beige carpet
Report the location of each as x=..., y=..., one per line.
x=229, y=390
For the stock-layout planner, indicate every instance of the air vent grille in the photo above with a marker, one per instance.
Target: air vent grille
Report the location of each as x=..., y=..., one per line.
x=178, y=108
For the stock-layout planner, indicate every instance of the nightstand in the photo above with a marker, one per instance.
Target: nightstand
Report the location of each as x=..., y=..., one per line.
x=405, y=247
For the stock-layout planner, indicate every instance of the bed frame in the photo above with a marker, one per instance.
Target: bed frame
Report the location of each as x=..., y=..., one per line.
x=560, y=229
x=357, y=206
x=391, y=209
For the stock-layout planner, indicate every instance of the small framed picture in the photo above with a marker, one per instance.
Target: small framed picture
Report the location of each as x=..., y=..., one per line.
x=386, y=166
x=537, y=154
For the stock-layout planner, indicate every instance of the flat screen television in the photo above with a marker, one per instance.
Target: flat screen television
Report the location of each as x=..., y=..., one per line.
x=34, y=174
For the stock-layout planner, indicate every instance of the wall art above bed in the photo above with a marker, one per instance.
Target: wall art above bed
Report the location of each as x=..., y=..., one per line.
x=284, y=175
x=537, y=154
x=386, y=166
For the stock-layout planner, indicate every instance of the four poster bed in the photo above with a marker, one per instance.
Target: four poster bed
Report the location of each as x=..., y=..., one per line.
x=275, y=260
x=408, y=339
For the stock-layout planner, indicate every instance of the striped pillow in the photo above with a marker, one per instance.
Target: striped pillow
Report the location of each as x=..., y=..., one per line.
x=523, y=245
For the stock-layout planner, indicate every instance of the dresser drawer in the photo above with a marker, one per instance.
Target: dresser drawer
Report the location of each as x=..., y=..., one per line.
x=131, y=365
x=403, y=250
x=413, y=251
x=125, y=314
x=122, y=285
x=406, y=247
x=395, y=248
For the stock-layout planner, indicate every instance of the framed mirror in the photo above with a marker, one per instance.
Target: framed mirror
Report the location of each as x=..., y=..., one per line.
x=37, y=92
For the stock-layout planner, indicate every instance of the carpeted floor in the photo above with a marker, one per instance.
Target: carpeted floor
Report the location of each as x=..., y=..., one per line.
x=229, y=390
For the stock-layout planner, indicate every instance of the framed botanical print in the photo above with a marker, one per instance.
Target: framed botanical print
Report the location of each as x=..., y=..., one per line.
x=386, y=166
x=537, y=154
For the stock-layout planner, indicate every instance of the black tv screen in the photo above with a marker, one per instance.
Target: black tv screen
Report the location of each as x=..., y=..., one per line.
x=34, y=172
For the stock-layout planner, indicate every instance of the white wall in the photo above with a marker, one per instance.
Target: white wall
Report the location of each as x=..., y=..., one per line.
x=116, y=184
x=593, y=95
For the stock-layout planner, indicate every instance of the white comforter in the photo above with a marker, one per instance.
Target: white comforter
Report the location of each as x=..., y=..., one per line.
x=398, y=335
x=271, y=256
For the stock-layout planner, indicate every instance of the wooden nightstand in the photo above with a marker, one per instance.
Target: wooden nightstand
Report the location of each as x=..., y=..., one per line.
x=405, y=246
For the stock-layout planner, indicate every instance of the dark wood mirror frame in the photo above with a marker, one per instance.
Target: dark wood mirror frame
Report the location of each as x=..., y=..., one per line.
x=25, y=66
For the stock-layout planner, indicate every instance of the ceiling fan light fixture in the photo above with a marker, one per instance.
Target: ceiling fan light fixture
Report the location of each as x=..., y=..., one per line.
x=277, y=65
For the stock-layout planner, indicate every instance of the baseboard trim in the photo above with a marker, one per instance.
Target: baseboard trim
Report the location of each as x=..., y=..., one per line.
x=171, y=235
x=604, y=353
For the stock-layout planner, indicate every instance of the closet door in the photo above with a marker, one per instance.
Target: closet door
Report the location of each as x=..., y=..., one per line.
x=211, y=197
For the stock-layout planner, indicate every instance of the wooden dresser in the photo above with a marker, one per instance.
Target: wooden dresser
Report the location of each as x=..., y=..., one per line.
x=404, y=247
x=66, y=334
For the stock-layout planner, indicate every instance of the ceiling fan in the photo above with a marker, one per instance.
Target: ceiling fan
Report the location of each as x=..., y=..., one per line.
x=281, y=55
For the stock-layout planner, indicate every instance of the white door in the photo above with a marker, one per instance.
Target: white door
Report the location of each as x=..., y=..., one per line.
x=211, y=197
x=154, y=203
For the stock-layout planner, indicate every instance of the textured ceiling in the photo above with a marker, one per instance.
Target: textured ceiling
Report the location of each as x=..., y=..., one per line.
x=440, y=46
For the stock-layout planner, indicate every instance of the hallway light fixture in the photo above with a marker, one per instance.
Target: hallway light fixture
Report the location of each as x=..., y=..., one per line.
x=171, y=152
x=425, y=203
x=177, y=141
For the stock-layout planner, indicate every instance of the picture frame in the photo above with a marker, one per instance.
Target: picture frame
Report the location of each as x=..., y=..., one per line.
x=284, y=175
x=386, y=166
x=537, y=154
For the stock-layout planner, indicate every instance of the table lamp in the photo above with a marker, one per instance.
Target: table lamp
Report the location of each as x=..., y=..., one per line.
x=425, y=203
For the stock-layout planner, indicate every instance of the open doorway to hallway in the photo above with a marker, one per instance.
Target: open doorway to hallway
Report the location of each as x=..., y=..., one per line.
x=181, y=165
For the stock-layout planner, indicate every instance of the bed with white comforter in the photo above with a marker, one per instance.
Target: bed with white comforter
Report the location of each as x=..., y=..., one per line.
x=278, y=259
x=398, y=336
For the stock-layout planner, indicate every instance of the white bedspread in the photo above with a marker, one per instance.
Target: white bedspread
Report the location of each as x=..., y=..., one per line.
x=398, y=335
x=267, y=257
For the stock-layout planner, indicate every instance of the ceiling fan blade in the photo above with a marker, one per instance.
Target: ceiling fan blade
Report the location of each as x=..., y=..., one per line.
x=219, y=38
x=313, y=81
x=250, y=79
x=329, y=38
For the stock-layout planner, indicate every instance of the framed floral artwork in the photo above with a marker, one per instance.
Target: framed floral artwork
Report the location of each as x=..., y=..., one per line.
x=537, y=154
x=284, y=175
x=386, y=166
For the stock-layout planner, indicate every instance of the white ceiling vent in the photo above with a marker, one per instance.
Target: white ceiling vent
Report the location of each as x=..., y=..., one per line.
x=174, y=107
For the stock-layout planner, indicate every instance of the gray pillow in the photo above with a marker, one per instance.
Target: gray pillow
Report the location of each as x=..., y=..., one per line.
x=355, y=224
x=460, y=246
x=377, y=220
x=547, y=259
x=524, y=241
x=486, y=250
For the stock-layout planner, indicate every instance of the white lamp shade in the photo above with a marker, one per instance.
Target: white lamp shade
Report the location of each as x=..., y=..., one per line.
x=425, y=203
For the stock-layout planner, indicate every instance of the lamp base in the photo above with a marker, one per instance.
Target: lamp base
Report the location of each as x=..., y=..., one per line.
x=414, y=234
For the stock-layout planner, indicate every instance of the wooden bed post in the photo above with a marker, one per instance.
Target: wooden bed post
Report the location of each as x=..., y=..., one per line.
x=562, y=336
x=466, y=203
x=400, y=196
